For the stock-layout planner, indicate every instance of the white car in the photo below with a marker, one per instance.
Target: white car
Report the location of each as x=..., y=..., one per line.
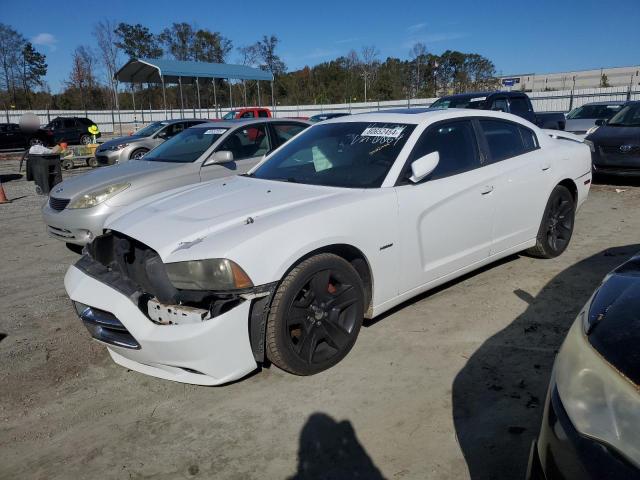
x=350, y=218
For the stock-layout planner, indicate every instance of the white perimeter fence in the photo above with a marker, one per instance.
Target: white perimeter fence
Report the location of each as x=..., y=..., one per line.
x=128, y=120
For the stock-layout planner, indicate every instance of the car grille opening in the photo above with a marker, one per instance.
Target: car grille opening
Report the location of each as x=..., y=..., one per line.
x=104, y=326
x=58, y=204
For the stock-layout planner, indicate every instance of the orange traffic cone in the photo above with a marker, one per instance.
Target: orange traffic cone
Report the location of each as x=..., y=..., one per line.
x=3, y=196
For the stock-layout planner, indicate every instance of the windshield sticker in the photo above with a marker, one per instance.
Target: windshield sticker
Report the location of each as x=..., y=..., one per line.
x=478, y=99
x=215, y=131
x=382, y=132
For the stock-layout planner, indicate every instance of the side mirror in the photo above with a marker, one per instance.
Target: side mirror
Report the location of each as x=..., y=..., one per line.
x=424, y=166
x=221, y=156
x=601, y=121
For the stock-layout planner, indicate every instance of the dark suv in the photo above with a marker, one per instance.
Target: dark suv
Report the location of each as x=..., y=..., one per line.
x=73, y=130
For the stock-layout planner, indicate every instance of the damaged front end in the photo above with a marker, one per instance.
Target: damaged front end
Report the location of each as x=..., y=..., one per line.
x=176, y=294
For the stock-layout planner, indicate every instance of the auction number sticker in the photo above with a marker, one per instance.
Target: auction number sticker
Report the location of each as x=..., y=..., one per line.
x=382, y=132
x=215, y=131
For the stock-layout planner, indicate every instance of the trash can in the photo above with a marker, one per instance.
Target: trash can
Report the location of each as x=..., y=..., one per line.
x=45, y=171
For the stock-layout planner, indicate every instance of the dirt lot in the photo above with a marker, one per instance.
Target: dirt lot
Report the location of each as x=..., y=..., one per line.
x=429, y=391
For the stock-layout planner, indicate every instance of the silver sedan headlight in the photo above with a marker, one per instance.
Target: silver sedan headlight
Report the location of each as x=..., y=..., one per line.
x=98, y=196
x=209, y=274
x=120, y=146
x=600, y=401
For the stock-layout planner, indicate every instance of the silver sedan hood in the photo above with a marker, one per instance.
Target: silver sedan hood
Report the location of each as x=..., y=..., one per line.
x=119, y=140
x=103, y=176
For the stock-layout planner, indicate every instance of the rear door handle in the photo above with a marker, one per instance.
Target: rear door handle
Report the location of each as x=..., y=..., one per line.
x=486, y=189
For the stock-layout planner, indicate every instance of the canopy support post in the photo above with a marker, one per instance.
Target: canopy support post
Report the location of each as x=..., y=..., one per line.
x=230, y=95
x=259, y=103
x=199, y=107
x=244, y=85
x=181, y=100
x=273, y=99
x=215, y=98
x=164, y=97
x=133, y=98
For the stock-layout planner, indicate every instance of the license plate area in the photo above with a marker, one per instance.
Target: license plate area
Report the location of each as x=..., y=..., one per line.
x=175, y=314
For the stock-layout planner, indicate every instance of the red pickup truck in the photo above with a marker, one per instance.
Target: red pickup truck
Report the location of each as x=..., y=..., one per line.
x=249, y=112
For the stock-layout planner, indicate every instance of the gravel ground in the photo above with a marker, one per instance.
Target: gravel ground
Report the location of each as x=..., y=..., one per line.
x=450, y=385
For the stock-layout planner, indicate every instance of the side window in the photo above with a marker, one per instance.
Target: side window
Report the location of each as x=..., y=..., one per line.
x=69, y=123
x=247, y=115
x=3, y=128
x=529, y=138
x=174, y=129
x=263, y=114
x=247, y=142
x=286, y=131
x=456, y=144
x=519, y=106
x=500, y=105
x=503, y=139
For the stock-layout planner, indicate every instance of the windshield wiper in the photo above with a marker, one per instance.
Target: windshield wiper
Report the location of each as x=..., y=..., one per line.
x=287, y=179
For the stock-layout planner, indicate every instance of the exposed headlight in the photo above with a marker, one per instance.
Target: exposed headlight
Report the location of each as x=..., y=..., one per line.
x=592, y=147
x=96, y=197
x=210, y=274
x=592, y=129
x=600, y=402
x=120, y=146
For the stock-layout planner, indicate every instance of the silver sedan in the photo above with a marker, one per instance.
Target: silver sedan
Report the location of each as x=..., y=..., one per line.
x=123, y=149
x=78, y=207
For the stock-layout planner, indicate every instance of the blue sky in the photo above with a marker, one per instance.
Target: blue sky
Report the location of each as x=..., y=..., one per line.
x=519, y=37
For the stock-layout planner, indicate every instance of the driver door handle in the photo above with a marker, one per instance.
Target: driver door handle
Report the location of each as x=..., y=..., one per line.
x=486, y=189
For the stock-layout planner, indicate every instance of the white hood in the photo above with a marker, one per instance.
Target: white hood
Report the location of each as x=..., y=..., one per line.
x=184, y=217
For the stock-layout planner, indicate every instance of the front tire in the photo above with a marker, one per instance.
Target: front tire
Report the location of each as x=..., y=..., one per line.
x=315, y=316
x=557, y=224
x=85, y=139
x=138, y=154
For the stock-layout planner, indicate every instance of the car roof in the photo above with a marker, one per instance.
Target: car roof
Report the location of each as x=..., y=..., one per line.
x=244, y=121
x=612, y=102
x=417, y=116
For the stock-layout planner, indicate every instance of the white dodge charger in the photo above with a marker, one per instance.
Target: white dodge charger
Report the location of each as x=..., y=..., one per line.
x=350, y=218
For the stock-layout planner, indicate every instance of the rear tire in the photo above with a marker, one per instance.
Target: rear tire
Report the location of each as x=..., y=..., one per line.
x=557, y=224
x=92, y=162
x=35, y=141
x=315, y=315
x=67, y=164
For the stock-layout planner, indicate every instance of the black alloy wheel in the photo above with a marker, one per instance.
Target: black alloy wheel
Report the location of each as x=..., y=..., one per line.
x=315, y=315
x=557, y=224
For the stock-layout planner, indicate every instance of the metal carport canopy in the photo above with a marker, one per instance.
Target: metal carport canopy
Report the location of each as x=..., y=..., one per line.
x=154, y=70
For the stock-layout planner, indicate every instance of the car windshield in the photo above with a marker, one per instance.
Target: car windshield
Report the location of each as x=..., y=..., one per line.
x=593, y=112
x=185, y=147
x=349, y=154
x=459, y=102
x=230, y=116
x=150, y=129
x=629, y=116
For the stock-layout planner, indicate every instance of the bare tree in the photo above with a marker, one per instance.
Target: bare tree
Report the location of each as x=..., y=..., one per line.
x=106, y=38
x=352, y=63
x=11, y=44
x=418, y=52
x=369, y=66
x=82, y=77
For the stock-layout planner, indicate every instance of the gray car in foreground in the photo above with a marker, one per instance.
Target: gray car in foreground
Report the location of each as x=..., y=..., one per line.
x=132, y=147
x=78, y=207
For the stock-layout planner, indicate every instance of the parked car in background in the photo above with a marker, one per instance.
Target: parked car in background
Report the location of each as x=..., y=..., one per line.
x=592, y=414
x=580, y=120
x=78, y=207
x=250, y=112
x=350, y=218
x=12, y=136
x=134, y=146
x=517, y=103
x=71, y=130
x=615, y=144
x=326, y=116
